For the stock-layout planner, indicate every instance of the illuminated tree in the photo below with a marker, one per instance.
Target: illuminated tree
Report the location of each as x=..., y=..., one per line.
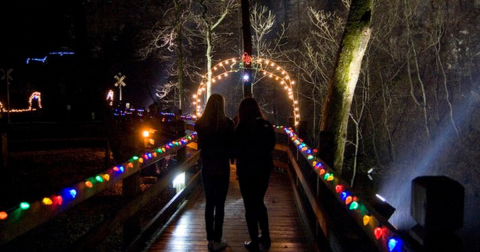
x=167, y=40
x=336, y=109
x=213, y=14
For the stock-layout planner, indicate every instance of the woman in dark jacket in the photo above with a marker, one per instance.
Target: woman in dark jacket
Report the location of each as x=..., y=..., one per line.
x=254, y=142
x=215, y=136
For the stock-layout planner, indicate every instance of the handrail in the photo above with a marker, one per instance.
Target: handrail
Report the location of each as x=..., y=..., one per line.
x=90, y=240
x=383, y=235
x=28, y=215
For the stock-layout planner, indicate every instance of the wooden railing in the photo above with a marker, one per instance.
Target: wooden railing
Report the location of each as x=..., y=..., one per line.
x=340, y=220
x=29, y=215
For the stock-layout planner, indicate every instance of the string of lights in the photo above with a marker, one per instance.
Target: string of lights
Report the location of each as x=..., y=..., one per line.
x=67, y=197
x=382, y=233
x=265, y=66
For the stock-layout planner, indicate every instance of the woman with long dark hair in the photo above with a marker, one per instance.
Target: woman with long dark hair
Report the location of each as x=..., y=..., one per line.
x=254, y=142
x=215, y=136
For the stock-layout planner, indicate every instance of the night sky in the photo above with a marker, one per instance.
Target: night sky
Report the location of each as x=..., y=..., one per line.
x=34, y=28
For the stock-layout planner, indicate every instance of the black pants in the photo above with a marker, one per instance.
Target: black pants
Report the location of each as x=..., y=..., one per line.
x=216, y=189
x=253, y=189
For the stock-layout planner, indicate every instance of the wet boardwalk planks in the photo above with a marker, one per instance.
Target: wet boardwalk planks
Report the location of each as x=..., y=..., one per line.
x=186, y=231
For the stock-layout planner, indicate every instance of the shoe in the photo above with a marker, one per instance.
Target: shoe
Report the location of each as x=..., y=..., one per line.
x=219, y=245
x=251, y=246
x=210, y=245
x=265, y=241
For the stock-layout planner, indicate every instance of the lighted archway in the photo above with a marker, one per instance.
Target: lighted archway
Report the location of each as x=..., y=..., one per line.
x=35, y=96
x=264, y=66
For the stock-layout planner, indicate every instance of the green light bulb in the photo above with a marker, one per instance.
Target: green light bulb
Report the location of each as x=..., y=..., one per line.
x=24, y=205
x=354, y=205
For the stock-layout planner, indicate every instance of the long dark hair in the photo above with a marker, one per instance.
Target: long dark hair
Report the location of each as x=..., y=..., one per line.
x=248, y=111
x=214, y=115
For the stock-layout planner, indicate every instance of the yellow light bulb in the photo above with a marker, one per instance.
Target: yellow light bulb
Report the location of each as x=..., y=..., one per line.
x=47, y=201
x=366, y=219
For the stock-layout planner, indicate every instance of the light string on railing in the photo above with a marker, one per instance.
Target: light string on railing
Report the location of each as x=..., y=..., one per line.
x=132, y=165
x=384, y=236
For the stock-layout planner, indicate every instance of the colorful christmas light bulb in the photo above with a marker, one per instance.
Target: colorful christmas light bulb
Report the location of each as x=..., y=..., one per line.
x=326, y=176
x=378, y=232
x=73, y=193
x=339, y=188
x=47, y=201
x=392, y=243
x=366, y=219
x=348, y=200
x=58, y=200
x=24, y=205
x=3, y=215
x=354, y=205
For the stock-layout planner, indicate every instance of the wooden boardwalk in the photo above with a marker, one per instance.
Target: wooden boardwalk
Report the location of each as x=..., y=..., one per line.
x=186, y=230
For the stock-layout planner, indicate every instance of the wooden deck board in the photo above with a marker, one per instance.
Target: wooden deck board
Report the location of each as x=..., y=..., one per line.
x=186, y=231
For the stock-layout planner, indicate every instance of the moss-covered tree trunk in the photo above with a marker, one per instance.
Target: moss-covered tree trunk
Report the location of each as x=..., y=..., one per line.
x=336, y=109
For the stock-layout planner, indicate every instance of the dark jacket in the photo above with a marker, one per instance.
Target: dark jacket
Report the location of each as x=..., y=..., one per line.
x=216, y=148
x=253, y=147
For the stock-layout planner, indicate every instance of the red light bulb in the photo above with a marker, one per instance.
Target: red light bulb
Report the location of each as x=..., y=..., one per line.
x=378, y=232
x=339, y=188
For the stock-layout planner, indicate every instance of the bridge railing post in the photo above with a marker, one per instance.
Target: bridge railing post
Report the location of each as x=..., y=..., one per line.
x=180, y=127
x=131, y=188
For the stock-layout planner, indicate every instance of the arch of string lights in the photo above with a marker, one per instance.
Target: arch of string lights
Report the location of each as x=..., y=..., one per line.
x=263, y=66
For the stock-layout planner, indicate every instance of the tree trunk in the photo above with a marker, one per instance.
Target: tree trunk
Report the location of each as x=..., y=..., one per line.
x=178, y=30
x=208, y=54
x=335, y=111
x=247, y=47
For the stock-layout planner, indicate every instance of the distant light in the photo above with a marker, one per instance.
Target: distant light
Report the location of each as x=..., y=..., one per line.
x=146, y=133
x=246, y=77
x=37, y=59
x=381, y=198
x=62, y=53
